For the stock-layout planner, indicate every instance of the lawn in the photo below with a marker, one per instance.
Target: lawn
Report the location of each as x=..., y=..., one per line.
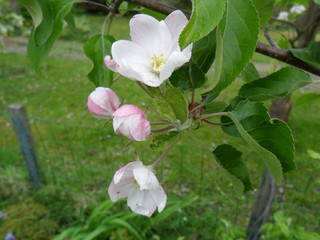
x=78, y=154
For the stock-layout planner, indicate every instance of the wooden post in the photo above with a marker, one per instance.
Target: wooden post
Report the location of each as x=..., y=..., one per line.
x=23, y=132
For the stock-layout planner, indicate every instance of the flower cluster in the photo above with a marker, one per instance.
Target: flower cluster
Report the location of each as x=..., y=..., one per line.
x=150, y=58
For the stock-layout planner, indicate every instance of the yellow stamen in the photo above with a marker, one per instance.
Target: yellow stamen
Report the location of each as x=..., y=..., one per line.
x=157, y=62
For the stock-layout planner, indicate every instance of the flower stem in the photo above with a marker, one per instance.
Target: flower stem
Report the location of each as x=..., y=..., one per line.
x=212, y=123
x=165, y=153
x=162, y=129
x=158, y=123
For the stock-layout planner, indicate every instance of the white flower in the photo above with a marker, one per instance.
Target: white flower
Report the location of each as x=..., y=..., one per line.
x=154, y=52
x=297, y=9
x=139, y=184
x=283, y=16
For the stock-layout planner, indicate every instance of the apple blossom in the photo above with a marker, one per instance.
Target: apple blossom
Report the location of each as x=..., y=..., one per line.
x=297, y=9
x=283, y=16
x=103, y=102
x=140, y=185
x=132, y=122
x=154, y=52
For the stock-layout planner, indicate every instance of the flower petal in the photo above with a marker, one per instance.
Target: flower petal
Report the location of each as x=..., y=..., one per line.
x=125, y=173
x=176, y=59
x=151, y=34
x=127, y=110
x=110, y=63
x=176, y=22
x=141, y=202
x=117, y=191
x=139, y=127
x=145, y=178
x=160, y=197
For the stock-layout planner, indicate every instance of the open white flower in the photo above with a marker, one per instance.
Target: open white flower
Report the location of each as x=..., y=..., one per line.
x=154, y=52
x=142, y=188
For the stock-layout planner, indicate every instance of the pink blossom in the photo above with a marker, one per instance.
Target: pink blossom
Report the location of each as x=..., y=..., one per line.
x=103, y=102
x=132, y=122
x=154, y=52
x=140, y=185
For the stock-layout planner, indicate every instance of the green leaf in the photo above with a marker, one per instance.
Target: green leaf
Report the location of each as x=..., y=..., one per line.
x=230, y=160
x=203, y=52
x=250, y=73
x=237, y=35
x=162, y=141
x=271, y=140
x=276, y=85
x=306, y=98
x=96, y=48
x=310, y=54
x=188, y=77
x=44, y=36
x=33, y=9
x=170, y=102
x=214, y=107
x=270, y=160
x=277, y=138
x=265, y=10
x=193, y=76
x=206, y=14
x=251, y=115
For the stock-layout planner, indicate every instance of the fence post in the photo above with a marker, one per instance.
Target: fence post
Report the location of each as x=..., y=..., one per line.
x=22, y=128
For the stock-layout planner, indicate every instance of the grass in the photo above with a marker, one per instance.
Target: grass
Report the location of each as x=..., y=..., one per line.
x=78, y=156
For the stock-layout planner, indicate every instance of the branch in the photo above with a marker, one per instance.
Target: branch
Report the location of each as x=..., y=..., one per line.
x=287, y=57
x=279, y=54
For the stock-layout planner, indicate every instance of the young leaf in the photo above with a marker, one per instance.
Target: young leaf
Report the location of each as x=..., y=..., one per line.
x=310, y=54
x=277, y=138
x=206, y=14
x=203, y=52
x=270, y=160
x=193, y=76
x=33, y=9
x=188, y=77
x=171, y=100
x=250, y=115
x=276, y=85
x=265, y=10
x=237, y=35
x=44, y=36
x=96, y=48
x=230, y=160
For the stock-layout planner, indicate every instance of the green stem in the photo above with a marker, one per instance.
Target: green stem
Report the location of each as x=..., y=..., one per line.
x=211, y=115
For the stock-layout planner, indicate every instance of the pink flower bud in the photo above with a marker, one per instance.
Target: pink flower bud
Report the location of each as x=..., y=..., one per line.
x=131, y=121
x=103, y=102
